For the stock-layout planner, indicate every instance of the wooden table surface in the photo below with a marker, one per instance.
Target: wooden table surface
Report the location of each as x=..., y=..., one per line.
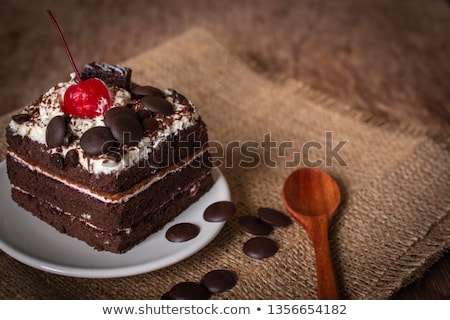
x=388, y=58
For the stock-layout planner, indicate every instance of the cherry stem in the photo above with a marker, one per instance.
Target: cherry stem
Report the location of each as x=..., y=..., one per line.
x=69, y=55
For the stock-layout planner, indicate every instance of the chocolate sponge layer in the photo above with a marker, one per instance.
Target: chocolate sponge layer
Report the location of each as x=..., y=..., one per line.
x=116, y=241
x=107, y=215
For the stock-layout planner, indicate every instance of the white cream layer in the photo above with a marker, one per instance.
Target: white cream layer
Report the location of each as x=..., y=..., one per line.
x=118, y=198
x=49, y=106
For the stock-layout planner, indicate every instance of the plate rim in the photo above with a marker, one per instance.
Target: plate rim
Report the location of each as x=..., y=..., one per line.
x=118, y=271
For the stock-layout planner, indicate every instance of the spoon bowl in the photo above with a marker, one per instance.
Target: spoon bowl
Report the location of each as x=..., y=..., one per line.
x=311, y=196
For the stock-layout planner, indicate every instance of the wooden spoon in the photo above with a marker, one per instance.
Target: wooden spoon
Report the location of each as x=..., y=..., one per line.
x=311, y=197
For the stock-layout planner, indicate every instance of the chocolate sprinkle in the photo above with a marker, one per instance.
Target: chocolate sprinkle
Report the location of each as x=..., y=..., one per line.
x=274, y=217
x=219, y=211
x=260, y=248
x=217, y=281
x=189, y=291
x=254, y=225
x=182, y=232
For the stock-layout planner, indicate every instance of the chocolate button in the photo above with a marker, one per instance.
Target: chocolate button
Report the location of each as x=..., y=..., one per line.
x=147, y=91
x=274, y=217
x=111, y=113
x=71, y=158
x=219, y=211
x=182, y=232
x=158, y=105
x=217, y=281
x=150, y=124
x=143, y=114
x=56, y=131
x=57, y=161
x=21, y=118
x=97, y=140
x=177, y=97
x=254, y=225
x=68, y=139
x=166, y=296
x=126, y=129
x=260, y=248
x=189, y=291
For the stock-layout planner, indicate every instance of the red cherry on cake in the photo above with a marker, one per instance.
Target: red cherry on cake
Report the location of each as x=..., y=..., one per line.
x=87, y=99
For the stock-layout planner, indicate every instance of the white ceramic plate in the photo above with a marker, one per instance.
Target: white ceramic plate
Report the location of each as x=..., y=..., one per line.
x=33, y=242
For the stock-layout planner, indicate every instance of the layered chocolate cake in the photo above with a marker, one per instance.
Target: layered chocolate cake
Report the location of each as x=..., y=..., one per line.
x=112, y=172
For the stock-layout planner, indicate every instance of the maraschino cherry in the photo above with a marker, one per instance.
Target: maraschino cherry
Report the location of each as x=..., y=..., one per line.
x=88, y=98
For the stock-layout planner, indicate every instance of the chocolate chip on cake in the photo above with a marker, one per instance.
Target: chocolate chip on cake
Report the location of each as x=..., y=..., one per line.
x=71, y=158
x=21, y=118
x=68, y=138
x=57, y=160
x=158, y=105
x=189, y=291
x=113, y=112
x=254, y=225
x=219, y=211
x=217, y=281
x=150, y=124
x=56, y=131
x=274, y=217
x=260, y=247
x=143, y=114
x=177, y=97
x=147, y=91
x=98, y=140
x=166, y=296
x=182, y=232
x=110, y=74
x=126, y=129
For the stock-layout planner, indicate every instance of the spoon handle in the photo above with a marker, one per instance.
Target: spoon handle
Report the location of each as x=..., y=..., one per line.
x=326, y=280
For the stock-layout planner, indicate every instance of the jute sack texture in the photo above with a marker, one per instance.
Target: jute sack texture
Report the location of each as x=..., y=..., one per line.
x=393, y=221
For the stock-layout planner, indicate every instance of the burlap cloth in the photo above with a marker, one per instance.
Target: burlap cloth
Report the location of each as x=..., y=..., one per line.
x=393, y=222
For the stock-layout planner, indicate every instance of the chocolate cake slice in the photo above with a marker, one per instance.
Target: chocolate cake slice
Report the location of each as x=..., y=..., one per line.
x=112, y=179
